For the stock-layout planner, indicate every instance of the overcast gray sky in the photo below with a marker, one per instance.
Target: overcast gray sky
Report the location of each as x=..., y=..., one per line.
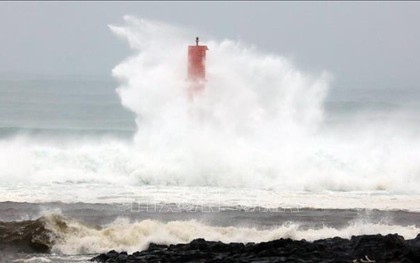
x=360, y=43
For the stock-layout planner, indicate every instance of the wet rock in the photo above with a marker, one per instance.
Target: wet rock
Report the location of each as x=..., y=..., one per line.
x=376, y=248
x=154, y=246
x=100, y=258
x=413, y=249
x=113, y=254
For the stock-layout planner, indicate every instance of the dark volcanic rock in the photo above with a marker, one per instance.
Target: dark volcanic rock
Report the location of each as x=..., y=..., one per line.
x=366, y=248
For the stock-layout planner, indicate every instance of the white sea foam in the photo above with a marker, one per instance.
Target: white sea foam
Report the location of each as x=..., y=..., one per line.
x=123, y=235
x=259, y=126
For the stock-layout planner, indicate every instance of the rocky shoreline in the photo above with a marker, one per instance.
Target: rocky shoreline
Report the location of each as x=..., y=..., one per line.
x=364, y=248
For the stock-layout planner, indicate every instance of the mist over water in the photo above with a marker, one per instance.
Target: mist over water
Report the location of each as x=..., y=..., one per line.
x=263, y=134
x=260, y=124
x=256, y=113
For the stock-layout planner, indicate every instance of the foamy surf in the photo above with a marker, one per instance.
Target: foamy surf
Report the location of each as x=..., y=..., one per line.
x=223, y=197
x=258, y=126
x=123, y=235
x=68, y=236
x=76, y=232
x=267, y=151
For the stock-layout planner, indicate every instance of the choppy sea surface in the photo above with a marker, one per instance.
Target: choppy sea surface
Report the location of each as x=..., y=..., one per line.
x=91, y=163
x=65, y=147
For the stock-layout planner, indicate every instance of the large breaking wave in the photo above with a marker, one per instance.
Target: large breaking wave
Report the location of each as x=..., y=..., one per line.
x=122, y=234
x=64, y=235
x=258, y=125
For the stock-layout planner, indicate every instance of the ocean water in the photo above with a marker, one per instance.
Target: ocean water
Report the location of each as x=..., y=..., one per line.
x=268, y=151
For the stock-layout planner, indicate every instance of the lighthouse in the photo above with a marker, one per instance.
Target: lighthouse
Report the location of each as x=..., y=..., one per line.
x=196, y=69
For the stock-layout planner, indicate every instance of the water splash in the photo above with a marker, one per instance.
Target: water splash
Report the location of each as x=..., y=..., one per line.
x=123, y=235
x=259, y=125
x=256, y=115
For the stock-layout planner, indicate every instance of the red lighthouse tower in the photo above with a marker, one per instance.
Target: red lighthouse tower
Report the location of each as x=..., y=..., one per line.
x=196, y=68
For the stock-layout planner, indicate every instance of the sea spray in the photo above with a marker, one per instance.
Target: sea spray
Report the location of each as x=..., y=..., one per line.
x=250, y=127
x=258, y=126
x=123, y=235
